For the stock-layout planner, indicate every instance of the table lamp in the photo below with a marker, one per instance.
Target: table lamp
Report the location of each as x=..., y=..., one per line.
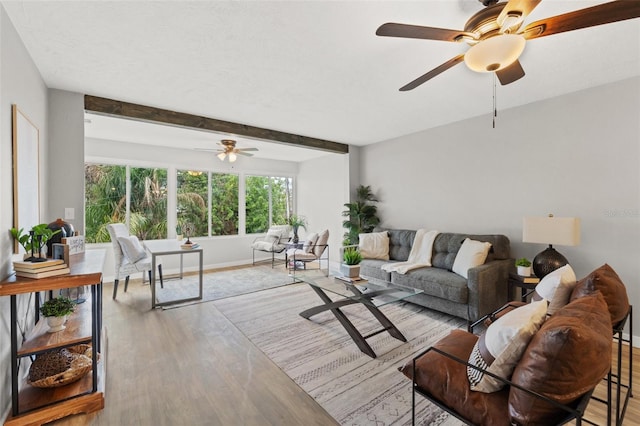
x=564, y=231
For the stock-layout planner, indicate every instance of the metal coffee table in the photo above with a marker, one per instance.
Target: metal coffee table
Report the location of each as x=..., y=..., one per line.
x=370, y=294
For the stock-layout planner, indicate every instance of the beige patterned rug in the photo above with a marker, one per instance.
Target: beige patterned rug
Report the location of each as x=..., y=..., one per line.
x=321, y=358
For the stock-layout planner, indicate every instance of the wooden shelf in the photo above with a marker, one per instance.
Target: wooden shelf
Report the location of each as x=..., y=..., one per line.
x=36, y=406
x=43, y=405
x=78, y=330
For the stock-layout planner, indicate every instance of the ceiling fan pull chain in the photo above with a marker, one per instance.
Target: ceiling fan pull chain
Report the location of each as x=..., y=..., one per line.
x=495, y=107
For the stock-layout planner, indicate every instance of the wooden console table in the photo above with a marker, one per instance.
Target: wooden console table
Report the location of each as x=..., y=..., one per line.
x=35, y=406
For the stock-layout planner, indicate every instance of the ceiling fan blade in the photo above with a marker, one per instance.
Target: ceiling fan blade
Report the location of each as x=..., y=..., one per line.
x=391, y=29
x=434, y=72
x=247, y=149
x=246, y=154
x=590, y=17
x=511, y=73
x=520, y=8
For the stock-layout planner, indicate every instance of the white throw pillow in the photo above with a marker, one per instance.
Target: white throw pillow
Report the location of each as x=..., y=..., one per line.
x=310, y=242
x=499, y=349
x=374, y=245
x=273, y=236
x=556, y=287
x=472, y=253
x=131, y=248
x=321, y=244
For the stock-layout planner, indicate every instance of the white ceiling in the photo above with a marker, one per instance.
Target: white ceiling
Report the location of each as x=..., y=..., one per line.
x=314, y=68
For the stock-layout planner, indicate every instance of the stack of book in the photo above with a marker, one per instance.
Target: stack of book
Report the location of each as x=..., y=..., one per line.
x=36, y=270
x=355, y=280
x=190, y=246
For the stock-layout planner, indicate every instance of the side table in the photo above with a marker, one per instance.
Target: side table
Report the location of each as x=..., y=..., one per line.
x=526, y=284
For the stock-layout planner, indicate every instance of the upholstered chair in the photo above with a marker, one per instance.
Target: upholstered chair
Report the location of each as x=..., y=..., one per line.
x=129, y=256
x=315, y=249
x=274, y=242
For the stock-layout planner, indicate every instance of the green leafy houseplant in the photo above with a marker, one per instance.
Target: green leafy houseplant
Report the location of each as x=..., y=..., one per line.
x=523, y=261
x=57, y=307
x=361, y=214
x=41, y=234
x=296, y=222
x=352, y=256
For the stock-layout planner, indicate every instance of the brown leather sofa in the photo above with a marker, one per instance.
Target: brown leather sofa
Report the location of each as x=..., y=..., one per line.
x=553, y=380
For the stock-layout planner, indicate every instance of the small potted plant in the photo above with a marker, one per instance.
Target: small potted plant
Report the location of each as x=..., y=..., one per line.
x=524, y=267
x=297, y=222
x=34, y=241
x=351, y=266
x=56, y=311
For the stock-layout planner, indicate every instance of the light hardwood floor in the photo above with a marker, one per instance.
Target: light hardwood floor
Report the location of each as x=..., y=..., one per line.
x=192, y=366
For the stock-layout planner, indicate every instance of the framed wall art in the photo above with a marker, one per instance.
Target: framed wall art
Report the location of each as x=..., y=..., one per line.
x=26, y=172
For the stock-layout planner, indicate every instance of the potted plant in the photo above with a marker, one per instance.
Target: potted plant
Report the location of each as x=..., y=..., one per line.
x=34, y=241
x=351, y=262
x=524, y=267
x=362, y=215
x=297, y=222
x=56, y=311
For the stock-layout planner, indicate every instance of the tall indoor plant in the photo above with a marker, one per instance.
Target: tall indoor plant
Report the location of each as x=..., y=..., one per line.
x=361, y=214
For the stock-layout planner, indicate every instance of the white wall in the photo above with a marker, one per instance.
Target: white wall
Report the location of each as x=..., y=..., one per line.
x=575, y=155
x=322, y=189
x=20, y=84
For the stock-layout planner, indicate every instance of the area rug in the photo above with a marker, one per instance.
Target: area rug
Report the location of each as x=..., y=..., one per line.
x=222, y=284
x=321, y=358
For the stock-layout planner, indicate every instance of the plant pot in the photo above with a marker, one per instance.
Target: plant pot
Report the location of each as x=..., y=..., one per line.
x=56, y=324
x=524, y=271
x=351, y=271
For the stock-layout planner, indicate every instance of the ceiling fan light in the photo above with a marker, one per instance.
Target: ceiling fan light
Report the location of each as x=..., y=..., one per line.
x=222, y=155
x=232, y=157
x=495, y=53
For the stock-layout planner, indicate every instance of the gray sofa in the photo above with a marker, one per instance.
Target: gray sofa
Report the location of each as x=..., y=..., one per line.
x=485, y=291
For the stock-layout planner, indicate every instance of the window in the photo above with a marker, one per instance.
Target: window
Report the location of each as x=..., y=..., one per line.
x=105, y=199
x=148, y=203
x=192, y=201
x=268, y=201
x=210, y=201
x=224, y=204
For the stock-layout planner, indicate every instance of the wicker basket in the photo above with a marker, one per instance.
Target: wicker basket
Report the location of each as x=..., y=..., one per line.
x=61, y=367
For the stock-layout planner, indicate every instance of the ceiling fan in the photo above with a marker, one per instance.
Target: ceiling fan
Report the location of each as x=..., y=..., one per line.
x=497, y=36
x=229, y=149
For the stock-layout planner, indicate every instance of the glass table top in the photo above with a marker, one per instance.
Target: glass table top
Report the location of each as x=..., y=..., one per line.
x=372, y=292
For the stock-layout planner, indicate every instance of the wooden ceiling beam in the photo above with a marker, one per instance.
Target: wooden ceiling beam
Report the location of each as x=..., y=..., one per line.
x=131, y=111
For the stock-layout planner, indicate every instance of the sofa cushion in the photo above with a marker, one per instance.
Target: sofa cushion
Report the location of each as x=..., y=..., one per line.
x=372, y=268
x=400, y=243
x=446, y=380
x=500, y=347
x=556, y=287
x=613, y=290
x=374, y=245
x=472, y=253
x=566, y=358
x=435, y=282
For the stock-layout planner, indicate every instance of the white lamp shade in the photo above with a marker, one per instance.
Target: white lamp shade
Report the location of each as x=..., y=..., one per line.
x=232, y=157
x=564, y=231
x=495, y=53
x=221, y=156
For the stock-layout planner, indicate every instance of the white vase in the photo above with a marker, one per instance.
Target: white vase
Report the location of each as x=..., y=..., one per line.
x=524, y=271
x=56, y=324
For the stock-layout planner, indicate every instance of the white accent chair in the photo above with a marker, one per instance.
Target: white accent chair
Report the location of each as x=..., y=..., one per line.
x=274, y=242
x=315, y=249
x=123, y=266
